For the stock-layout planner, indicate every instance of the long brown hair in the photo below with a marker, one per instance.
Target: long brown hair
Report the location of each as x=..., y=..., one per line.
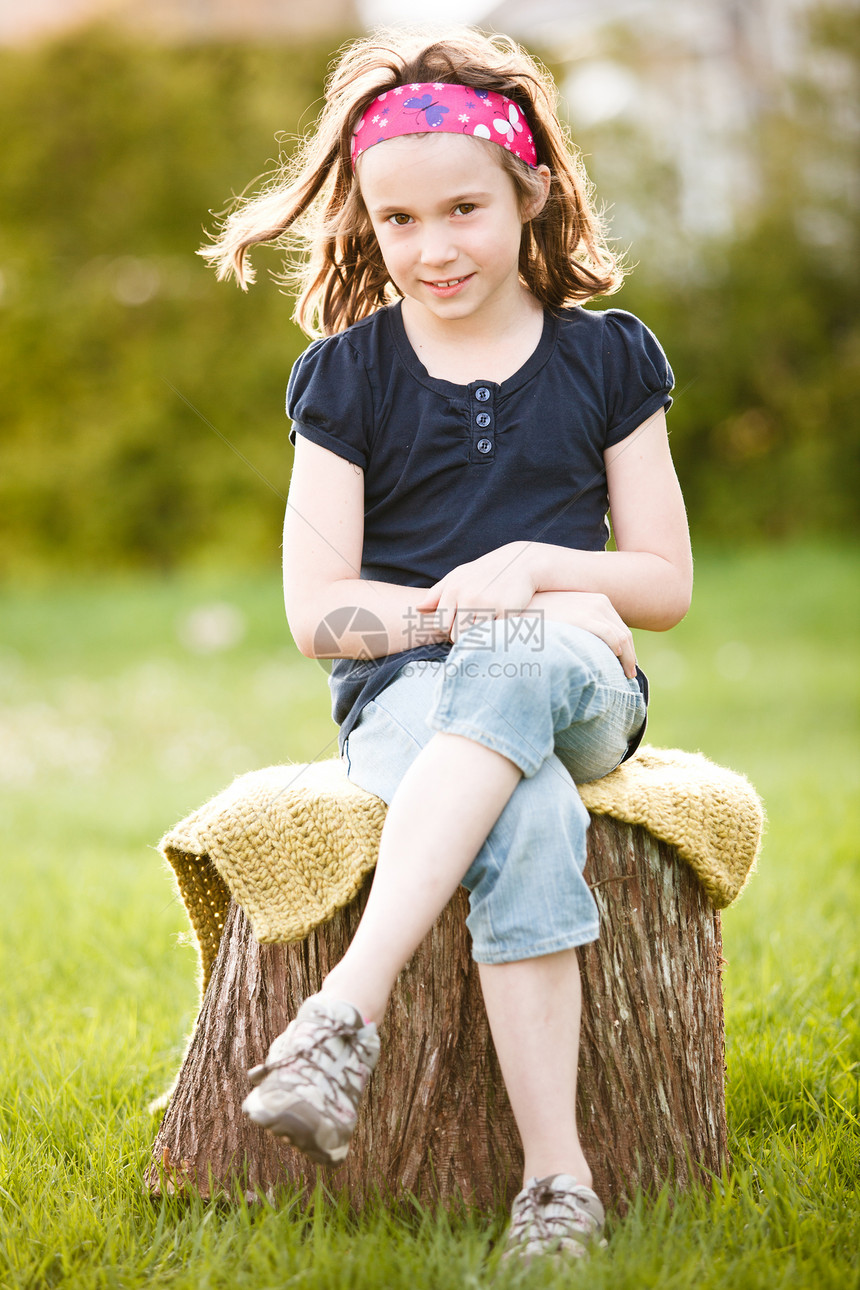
x=313, y=203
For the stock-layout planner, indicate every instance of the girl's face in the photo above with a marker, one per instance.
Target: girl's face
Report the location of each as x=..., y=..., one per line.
x=448, y=223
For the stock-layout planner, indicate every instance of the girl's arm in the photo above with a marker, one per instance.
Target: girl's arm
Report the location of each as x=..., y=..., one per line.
x=323, y=538
x=647, y=581
x=649, y=578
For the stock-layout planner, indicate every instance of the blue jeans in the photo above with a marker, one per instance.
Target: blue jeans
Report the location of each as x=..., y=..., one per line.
x=563, y=712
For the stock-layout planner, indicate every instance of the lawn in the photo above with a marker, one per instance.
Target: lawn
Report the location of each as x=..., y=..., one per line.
x=125, y=703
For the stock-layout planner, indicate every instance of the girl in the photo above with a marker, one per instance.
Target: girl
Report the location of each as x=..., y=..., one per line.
x=460, y=431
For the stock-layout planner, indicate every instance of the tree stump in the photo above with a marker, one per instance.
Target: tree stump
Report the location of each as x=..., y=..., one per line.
x=436, y=1121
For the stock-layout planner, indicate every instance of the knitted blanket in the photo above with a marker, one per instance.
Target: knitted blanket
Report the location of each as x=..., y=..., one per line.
x=294, y=843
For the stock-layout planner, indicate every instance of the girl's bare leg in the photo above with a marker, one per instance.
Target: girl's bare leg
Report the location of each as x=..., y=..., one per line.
x=534, y=1008
x=439, y=818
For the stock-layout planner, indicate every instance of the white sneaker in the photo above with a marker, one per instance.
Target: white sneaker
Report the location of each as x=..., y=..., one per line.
x=309, y=1087
x=554, y=1215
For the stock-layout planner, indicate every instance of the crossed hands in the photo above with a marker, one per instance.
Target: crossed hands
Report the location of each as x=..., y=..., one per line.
x=503, y=582
x=493, y=586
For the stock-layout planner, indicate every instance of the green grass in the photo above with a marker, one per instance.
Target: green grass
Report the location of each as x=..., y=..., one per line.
x=112, y=728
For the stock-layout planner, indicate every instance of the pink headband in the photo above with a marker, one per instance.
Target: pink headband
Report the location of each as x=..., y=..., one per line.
x=449, y=109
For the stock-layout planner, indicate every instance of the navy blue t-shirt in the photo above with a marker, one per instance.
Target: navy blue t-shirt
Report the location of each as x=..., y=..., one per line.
x=454, y=471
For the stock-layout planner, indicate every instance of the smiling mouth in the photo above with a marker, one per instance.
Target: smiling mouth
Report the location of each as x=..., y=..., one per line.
x=447, y=286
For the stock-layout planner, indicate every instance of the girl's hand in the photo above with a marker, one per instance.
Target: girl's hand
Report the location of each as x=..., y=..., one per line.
x=496, y=584
x=595, y=613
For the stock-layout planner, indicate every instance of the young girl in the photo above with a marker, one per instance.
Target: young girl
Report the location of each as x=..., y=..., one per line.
x=460, y=431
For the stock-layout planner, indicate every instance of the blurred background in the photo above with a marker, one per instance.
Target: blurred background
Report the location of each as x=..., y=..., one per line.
x=144, y=453
x=723, y=140
x=144, y=656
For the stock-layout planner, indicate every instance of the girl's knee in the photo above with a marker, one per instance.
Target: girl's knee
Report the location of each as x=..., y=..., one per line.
x=525, y=649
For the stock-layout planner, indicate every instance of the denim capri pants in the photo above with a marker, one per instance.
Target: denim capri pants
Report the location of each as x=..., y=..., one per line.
x=561, y=710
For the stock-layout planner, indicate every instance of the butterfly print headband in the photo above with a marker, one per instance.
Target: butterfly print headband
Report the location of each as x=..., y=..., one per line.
x=426, y=108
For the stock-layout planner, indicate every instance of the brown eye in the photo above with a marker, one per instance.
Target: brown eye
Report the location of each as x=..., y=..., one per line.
x=400, y=219
x=465, y=208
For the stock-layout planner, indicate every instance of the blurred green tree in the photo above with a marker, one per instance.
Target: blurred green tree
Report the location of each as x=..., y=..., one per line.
x=119, y=150
x=763, y=331
x=116, y=151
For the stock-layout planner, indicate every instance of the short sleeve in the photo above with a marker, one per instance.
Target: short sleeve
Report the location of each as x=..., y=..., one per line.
x=636, y=373
x=329, y=399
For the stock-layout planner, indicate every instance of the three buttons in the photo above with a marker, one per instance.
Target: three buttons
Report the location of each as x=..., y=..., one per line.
x=484, y=420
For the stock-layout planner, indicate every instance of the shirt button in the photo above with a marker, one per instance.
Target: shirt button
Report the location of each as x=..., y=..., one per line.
x=485, y=445
x=483, y=419
x=482, y=393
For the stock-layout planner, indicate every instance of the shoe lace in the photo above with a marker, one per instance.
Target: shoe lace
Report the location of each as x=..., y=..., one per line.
x=306, y=1057
x=548, y=1213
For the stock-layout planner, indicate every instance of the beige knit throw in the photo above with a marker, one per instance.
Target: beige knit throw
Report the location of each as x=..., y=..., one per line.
x=293, y=843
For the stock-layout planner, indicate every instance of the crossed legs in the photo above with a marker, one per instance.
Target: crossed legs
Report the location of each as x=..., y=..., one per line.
x=485, y=801
x=533, y=1005
x=435, y=825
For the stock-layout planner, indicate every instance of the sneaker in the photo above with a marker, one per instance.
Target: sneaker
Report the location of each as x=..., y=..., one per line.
x=554, y=1215
x=309, y=1087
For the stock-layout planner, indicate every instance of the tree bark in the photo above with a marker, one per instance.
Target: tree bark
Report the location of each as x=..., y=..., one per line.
x=436, y=1121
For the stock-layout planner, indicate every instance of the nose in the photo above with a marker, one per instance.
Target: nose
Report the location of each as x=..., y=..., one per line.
x=437, y=246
